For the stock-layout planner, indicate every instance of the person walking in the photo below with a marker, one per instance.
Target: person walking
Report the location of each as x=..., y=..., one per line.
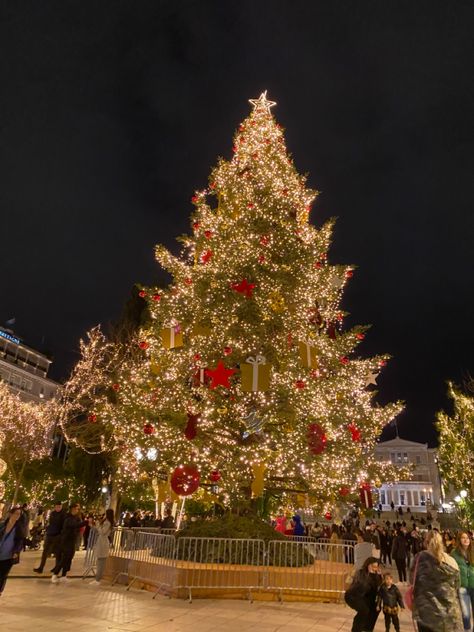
x=67, y=544
x=53, y=534
x=389, y=599
x=464, y=556
x=362, y=596
x=436, y=580
x=102, y=546
x=12, y=537
x=399, y=554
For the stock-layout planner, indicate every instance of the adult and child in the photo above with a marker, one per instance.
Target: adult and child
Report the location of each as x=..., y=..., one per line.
x=442, y=589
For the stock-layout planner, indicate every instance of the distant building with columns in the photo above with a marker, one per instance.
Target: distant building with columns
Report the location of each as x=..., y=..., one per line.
x=424, y=489
x=24, y=369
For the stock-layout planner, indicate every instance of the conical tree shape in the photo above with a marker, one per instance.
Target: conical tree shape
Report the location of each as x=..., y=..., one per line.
x=247, y=370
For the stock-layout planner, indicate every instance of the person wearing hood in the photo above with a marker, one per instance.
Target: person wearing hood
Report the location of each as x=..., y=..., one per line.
x=298, y=528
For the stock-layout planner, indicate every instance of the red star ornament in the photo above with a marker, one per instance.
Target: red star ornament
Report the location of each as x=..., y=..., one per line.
x=220, y=375
x=244, y=287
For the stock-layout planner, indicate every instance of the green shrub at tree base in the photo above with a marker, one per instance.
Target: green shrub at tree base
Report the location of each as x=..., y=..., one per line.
x=239, y=528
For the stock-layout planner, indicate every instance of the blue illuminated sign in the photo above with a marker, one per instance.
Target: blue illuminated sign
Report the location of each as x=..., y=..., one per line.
x=9, y=337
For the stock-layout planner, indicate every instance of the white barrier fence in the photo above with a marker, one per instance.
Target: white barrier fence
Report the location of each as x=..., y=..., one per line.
x=186, y=564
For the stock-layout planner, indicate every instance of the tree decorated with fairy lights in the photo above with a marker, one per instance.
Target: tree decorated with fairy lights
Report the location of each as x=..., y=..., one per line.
x=247, y=378
x=456, y=446
x=26, y=430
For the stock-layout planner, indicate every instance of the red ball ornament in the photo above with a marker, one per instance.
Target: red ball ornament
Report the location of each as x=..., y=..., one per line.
x=300, y=384
x=206, y=256
x=116, y=387
x=196, y=226
x=227, y=350
x=264, y=240
x=344, y=491
x=149, y=428
x=142, y=293
x=208, y=234
x=383, y=363
x=215, y=476
x=92, y=418
x=194, y=199
x=261, y=259
x=143, y=344
x=185, y=480
x=360, y=336
x=316, y=438
x=250, y=205
x=349, y=274
x=318, y=265
x=344, y=360
x=197, y=357
x=156, y=297
x=188, y=281
x=328, y=515
x=212, y=185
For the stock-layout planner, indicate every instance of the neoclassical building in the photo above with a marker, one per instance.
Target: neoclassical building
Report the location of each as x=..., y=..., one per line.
x=424, y=489
x=24, y=369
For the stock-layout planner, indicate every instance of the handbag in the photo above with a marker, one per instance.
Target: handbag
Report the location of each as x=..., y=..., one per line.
x=409, y=595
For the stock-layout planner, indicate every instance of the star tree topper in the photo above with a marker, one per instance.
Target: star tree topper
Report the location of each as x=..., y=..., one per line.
x=262, y=103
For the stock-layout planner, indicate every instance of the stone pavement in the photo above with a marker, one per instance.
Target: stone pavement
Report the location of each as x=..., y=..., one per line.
x=33, y=603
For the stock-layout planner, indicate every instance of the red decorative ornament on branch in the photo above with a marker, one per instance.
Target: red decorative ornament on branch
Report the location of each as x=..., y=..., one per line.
x=316, y=438
x=355, y=432
x=191, y=427
x=215, y=476
x=344, y=491
x=149, y=428
x=328, y=515
x=185, y=480
x=244, y=287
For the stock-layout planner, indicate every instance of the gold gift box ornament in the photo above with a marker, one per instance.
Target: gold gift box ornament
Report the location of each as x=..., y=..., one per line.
x=308, y=355
x=255, y=374
x=172, y=337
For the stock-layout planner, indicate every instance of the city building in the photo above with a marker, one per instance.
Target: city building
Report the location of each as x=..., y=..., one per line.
x=24, y=369
x=424, y=489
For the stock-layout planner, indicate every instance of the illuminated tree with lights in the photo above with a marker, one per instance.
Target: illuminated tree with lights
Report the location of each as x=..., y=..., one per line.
x=456, y=445
x=247, y=375
x=25, y=434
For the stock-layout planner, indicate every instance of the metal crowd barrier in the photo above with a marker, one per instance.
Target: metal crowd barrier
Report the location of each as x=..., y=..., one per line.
x=303, y=567
x=90, y=560
x=220, y=563
x=189, y=563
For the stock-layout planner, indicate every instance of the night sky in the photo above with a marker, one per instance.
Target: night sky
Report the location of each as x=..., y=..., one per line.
x=112, y=113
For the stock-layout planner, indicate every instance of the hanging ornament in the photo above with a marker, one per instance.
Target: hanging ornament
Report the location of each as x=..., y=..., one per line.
x=200, y=378
x=253, y=424
x=360, y=336
x=328, y=515
x=148, y=428
x=355, y=432
x=172, y=337
x=156, y=297
x=208, y=234
x=255, y=374
x=264, y=240
x=344, y=491
x=143, y=344
x=142, y=293
x=215, y=476
x=316, y=438
x=227, y=350
x=372, y=378
x=92, y=418
x=220, y=375
x=191, y=427
x=244, y=287
x=349, y=274
x=365, y=494
x=206, y=256
x=185, y=480
x=196, y=226
x=300, y=384
x=116, y=387
x=344, y=360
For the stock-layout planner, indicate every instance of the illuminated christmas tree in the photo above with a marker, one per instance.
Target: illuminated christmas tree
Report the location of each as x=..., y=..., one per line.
x=456, y=444
x=247, y=375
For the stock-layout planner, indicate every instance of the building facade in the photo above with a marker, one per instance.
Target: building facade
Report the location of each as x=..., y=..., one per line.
x=424, y=489
x=24, y=369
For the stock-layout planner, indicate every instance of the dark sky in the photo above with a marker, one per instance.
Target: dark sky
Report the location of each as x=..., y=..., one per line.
x=113, y=112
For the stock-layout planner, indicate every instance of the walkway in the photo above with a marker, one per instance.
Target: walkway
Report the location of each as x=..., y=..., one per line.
x=33, y=603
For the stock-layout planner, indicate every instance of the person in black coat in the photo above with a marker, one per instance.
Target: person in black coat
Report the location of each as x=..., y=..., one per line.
x=53, y=535
x=67, y=546
x=399, y=554
x=362, y=595
x=12, y=536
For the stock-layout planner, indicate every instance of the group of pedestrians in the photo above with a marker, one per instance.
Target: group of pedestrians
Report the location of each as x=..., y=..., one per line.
x=442, y=588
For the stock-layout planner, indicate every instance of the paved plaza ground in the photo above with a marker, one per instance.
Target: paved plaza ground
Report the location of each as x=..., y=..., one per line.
x=34, y=603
